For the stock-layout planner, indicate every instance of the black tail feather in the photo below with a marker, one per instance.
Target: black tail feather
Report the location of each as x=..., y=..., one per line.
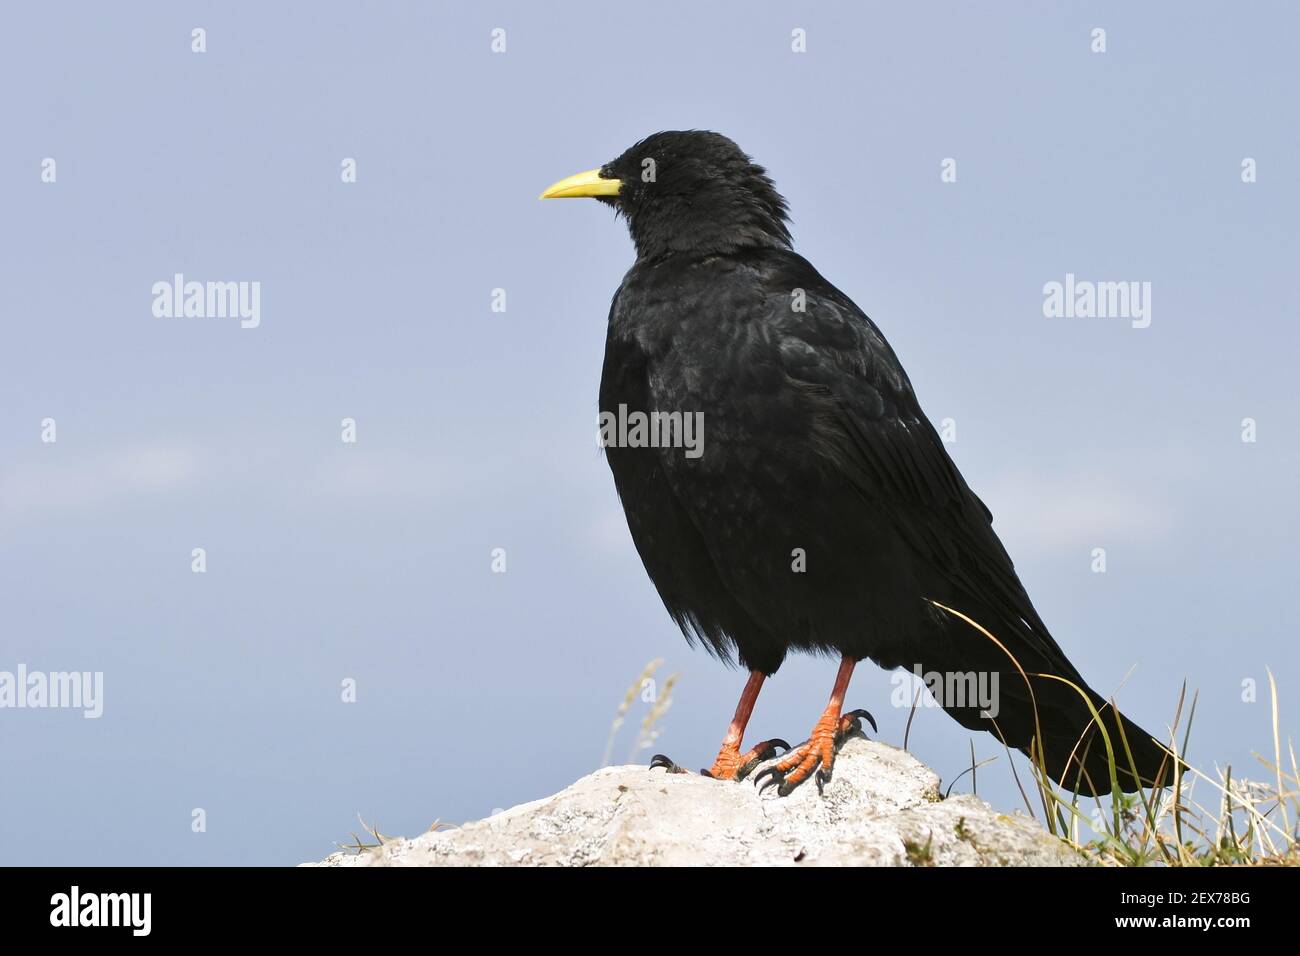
x=1039, y=696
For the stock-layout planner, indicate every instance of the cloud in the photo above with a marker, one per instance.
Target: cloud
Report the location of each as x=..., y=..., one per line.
x=608, y=532
x=1047, y=512
x=54, y=482
x=386, y=474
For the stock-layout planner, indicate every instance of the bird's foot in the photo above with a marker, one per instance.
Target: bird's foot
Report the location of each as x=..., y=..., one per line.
x=731, y=763
x=817, y=753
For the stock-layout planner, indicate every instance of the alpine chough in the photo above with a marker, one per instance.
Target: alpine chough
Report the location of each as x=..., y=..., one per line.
x=821, y=511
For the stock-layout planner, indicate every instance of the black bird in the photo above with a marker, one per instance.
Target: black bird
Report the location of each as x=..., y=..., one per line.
x=824, y=513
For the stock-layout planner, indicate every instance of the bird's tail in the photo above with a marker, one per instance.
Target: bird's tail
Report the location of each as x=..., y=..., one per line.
x=1080, y=757
x=1035, y=701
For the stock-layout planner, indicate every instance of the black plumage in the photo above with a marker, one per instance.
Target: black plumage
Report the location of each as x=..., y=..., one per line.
x=814, y=443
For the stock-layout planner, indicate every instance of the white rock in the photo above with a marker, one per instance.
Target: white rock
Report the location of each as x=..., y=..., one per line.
x=882, y=808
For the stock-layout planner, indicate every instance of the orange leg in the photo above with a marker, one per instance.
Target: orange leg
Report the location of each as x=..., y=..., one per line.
x=818, y=751
x=731, y=763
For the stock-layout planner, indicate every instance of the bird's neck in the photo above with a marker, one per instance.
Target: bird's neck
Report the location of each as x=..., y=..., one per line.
x=706, y=229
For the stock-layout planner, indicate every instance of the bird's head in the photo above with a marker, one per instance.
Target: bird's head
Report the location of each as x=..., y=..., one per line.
x=692, y=192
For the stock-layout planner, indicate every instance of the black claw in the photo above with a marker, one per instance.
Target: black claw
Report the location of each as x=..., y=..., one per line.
x=659, y=760
x=871, y=720
x=788, y=787
x=777, y=778
x=823, y=778
x=766, y=751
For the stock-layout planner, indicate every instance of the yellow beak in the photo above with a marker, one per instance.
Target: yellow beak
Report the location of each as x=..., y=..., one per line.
x=589, y=183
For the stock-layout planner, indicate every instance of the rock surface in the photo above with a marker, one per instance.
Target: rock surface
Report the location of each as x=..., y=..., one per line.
x=882, y=808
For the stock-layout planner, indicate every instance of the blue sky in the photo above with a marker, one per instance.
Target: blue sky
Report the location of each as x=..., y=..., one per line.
x=371, y=561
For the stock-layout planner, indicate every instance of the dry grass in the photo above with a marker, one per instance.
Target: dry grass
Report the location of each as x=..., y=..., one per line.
x=1249, y=822
x=358, y=846
x=659, y=702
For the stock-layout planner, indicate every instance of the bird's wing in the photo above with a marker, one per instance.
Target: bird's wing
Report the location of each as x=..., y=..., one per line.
x=869, y=426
